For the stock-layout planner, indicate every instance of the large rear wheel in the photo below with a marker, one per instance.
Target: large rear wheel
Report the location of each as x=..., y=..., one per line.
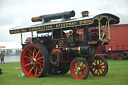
x=99, y=67
x=79, y=70
x=34, y=60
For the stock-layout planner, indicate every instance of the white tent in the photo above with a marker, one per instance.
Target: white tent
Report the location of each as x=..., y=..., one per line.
x=11, y=45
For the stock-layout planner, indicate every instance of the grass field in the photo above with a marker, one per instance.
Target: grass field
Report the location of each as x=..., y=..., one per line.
x=117, y=75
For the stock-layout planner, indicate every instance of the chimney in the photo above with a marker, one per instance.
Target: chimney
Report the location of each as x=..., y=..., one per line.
x=85, y=13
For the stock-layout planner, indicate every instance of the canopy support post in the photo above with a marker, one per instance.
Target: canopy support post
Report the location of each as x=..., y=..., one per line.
x=52, y=34
x=21, y=39
x=109, y=31
x=32, y=34
x=99, y=29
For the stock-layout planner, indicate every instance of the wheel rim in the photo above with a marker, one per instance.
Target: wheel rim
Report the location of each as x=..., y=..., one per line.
x=119, y=57
x=79, y=70
x=99, y=67
x=32, y=61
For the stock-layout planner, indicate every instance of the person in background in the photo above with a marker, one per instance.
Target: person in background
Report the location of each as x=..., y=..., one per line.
x=70, y=37
x=2, y=57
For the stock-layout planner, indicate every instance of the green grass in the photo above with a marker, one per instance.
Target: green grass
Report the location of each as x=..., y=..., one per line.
x=117, y=75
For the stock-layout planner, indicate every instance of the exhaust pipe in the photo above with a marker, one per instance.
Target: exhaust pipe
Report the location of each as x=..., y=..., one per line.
x=49, y=17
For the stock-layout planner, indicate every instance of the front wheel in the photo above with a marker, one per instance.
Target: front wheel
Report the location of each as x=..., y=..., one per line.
x=79, y=70
x=99, y=67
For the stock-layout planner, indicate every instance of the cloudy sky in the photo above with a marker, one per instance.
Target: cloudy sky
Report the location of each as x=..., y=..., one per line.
x=19, y=12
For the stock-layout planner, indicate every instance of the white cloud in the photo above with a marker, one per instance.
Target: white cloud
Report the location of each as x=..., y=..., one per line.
x=19, y=12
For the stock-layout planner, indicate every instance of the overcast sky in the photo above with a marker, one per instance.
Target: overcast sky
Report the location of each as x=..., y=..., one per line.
x=19, y=12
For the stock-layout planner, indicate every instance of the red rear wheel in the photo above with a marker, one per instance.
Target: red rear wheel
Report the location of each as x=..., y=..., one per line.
x=34, y=60
x=79, y=70
x=99, y=67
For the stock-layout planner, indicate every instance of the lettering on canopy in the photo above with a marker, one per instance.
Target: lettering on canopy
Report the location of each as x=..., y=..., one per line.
x=52, y=26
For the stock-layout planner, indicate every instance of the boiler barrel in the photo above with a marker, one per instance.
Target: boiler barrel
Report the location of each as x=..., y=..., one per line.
x=82, y=51
x=87, y=50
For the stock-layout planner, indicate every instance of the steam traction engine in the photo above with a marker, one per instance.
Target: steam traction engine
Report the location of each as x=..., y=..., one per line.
x=59, y=46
